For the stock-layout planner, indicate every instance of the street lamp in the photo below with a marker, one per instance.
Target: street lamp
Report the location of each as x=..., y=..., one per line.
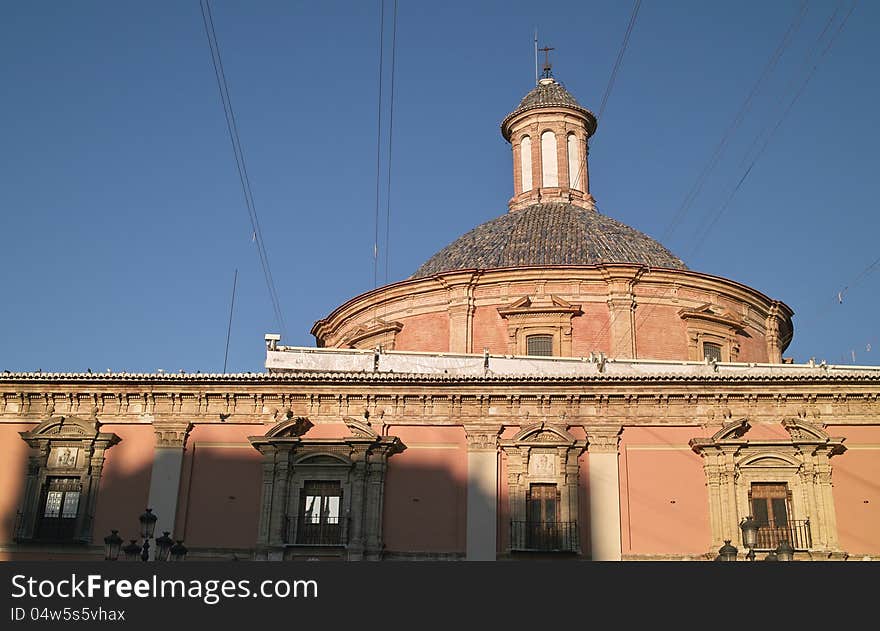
x=178, y=551
x=165, y=546
x=784, y=551
x=148, y=526
x=112, y=545
x=132, y=551
x=727, y=552
x=749, y=527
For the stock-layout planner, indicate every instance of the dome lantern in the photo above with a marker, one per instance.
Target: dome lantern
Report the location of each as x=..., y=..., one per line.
x=549, y=133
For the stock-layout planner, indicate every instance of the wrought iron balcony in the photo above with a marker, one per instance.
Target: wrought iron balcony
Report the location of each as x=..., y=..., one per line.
x=309, y=530
x=796, y=532
x=530, y=536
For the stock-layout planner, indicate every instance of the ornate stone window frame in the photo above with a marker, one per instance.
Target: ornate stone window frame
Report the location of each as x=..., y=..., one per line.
x=47, y=440
x=377, y=334
x=710, y=323
x=558, y=452
x=545, y=315
x=358, y=462
x=802, y=462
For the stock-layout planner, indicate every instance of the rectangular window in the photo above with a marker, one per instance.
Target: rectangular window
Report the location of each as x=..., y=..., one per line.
x=539, y=345
x=769, y=501
x=60, y=508
x=541, y=514
x=711, y=351
x=320, y=506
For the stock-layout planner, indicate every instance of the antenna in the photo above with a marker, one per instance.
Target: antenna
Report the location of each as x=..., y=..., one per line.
x=536, y=56
x=229, y=328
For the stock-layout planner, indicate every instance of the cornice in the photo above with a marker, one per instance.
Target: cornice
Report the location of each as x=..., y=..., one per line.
x=410, y=289
x=148, y=380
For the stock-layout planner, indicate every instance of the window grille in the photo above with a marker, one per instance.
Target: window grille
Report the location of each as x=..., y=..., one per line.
x=539, y=345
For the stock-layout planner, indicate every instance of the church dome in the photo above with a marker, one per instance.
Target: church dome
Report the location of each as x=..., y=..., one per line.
x=549, y=234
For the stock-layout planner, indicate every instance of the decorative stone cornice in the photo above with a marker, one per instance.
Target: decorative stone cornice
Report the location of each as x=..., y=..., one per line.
x=603, y=439
x=707, y=313
x=379, y=333
x=482, y=437
x=171, y=433
x=540, y=306
x=68, y=429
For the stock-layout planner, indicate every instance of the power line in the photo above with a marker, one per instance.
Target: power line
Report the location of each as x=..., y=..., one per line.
x=695, y=190
x=229, y=328
x=789, y=89
x=378, y=143
x=700, y=239
x=232, y=128
x=623, y=46
x=697, y=242
x=390, y=136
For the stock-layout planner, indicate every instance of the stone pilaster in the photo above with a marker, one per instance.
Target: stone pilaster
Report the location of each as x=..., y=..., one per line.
x=356, y=544
x=482, y=492
x=621, y=310
x=280, y=525
x=605, y=543
x=171, y=437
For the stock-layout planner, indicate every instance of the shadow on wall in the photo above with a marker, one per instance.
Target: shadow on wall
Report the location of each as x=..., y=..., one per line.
x=424, y=508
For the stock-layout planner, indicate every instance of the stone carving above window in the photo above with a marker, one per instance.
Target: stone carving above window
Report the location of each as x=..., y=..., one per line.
x=376, y=334
x=733, y=463
x=64, y=468
x=709, y=326
x=543, y=315
x=322, y=496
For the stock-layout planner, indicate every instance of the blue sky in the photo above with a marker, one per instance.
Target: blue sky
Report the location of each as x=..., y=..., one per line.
x=123, y=220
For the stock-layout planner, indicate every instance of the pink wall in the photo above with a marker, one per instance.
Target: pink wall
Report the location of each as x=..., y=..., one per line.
x=428, y=332
x=664, y=503
x=490, y=331
x=125, y=482
x=223, y=477
x=426, y=491
x=856, y=479
x=660, y=332
x=591, y=331
x=12, y=476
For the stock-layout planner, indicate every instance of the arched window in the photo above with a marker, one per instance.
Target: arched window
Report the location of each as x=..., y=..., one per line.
x=525, y=162
x=574, y=163
x=549, y=164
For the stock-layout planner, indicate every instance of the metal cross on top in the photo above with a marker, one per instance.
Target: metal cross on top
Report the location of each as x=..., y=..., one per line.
x=546, y=50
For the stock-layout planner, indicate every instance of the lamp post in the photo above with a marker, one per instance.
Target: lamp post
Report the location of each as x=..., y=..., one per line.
x=166, y=548
x=784, y=551
x=112, y=545
x=178, y=551
x=749, y=527
x=727, y=552
x=148, y=526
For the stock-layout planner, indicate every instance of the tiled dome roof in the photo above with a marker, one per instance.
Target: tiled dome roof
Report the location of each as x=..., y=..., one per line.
x=549, y=234
x=547, y=93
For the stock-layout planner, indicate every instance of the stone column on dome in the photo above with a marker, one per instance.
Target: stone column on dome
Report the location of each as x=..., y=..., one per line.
x=621, y=309
x=461, y=316
x=774, y=350
x=171, y=437
x=562, y=155
x=604, y=481
x=482, y=492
